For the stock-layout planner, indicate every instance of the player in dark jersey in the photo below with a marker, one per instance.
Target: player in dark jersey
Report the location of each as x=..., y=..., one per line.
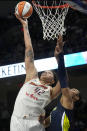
x=61, y=117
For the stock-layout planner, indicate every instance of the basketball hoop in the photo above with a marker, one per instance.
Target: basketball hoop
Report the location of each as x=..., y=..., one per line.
x=52, y=14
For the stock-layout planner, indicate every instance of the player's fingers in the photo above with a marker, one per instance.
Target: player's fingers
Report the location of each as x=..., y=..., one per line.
x=20, y=19
x=41, y=118
x=60, y=38
x=16, y=15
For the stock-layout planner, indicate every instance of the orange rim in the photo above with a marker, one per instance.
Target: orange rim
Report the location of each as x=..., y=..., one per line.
x=52, y=7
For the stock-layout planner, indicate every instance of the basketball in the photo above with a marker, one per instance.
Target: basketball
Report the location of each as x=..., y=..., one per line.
x=24, y=9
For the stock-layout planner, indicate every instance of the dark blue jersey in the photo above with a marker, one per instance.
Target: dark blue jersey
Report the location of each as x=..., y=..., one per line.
x=61, y=119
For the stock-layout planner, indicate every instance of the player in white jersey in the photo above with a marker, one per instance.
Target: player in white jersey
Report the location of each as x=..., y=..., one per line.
x=35, y=94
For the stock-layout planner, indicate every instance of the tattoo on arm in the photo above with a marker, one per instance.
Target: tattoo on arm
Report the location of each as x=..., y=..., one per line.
x=30, y=54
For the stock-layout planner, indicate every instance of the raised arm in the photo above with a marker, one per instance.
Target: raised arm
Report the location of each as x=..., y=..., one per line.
x=31, y=71
x=55, y=91
x=62, y=74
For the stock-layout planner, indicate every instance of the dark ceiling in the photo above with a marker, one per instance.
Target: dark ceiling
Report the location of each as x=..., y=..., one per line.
x=11, y=35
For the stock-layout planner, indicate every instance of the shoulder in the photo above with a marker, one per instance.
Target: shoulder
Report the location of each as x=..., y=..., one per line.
x=32, y=79
x=66, y=103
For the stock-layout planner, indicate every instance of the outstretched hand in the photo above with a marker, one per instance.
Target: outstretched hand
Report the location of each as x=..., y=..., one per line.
x=59, y=46
x=24, y=22
x=41, y=119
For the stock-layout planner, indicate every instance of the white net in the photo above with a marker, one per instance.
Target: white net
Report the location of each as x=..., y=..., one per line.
x=52, y=18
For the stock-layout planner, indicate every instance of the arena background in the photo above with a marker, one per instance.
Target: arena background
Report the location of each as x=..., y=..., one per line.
x=12, y=52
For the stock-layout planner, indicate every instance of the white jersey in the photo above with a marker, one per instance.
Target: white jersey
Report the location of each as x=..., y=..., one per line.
x=31, y=99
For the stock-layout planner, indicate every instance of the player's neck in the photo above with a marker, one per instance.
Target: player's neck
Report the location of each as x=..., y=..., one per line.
x=44, y=83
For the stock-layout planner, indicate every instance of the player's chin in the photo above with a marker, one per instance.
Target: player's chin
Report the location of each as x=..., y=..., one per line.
x=51, y=82
x=76, y=99
x=47, y=79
